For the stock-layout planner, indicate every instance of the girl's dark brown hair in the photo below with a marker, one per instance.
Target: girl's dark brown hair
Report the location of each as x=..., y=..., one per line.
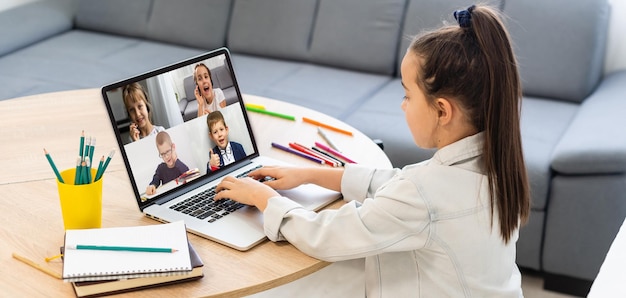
x=473, y=64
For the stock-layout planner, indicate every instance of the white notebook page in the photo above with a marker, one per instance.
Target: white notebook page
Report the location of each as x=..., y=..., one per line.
x=83, y=264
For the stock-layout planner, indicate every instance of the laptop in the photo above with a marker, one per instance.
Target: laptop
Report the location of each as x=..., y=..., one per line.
x=186, y=195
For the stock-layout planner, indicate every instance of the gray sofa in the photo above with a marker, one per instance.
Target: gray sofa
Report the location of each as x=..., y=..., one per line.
x=341, y=57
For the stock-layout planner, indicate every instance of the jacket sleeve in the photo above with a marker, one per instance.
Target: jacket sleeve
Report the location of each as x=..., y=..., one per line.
x=396, y=219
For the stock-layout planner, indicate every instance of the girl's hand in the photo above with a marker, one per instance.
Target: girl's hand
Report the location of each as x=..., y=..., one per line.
x=245, y=190
x=283, y=177
x=134, y=131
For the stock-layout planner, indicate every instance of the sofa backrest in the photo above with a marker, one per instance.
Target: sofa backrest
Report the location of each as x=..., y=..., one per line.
x=354, y=34
x=193, y=23
x=559, y=45
x=272, y=28
x=358, y=34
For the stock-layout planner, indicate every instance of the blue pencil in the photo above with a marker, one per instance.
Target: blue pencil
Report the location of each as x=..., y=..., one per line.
x=54, y=167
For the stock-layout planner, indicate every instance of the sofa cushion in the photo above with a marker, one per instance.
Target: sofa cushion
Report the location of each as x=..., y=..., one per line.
x=43, y=21
x=561, y=61
x=595, y=141
x=194, y=23
x=129, y=18
x=333, y=91
x=272, y=28
x=359, y=35
x=543, y=123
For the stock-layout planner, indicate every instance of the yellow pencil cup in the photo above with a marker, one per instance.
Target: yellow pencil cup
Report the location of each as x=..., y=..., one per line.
x=81, y=205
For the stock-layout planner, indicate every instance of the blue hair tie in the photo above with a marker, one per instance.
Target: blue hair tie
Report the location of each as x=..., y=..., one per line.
x=464, y=17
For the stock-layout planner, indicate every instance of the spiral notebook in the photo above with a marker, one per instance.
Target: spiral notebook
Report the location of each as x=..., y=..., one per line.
x=89, y=265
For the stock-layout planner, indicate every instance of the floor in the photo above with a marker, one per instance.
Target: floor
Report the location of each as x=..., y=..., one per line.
x=532, y=285
x=345, y=279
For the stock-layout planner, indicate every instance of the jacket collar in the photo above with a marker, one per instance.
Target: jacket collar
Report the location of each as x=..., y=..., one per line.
x=461, y=150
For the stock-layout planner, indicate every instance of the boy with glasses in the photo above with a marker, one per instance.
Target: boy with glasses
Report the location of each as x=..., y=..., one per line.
x=170, y=168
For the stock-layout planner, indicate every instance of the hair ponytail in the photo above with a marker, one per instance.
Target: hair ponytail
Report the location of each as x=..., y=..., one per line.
x=474, y=64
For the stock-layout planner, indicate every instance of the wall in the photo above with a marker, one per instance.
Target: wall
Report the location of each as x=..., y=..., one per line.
x=616, y=49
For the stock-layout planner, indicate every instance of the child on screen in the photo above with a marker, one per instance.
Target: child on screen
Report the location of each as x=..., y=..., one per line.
x=224, y=152
x=170, y=168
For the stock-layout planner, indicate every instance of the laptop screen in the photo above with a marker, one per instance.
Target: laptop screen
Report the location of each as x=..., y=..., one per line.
x=180, y=125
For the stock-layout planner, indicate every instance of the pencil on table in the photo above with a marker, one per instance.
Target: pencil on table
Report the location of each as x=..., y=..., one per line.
x=314, y=122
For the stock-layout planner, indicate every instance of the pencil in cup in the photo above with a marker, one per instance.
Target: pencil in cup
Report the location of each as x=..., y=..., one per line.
x=53, y=166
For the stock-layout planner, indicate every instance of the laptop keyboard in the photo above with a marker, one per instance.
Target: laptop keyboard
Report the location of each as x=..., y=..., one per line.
x=202, y=205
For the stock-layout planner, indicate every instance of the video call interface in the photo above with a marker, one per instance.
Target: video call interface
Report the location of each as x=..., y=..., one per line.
x=167, y=141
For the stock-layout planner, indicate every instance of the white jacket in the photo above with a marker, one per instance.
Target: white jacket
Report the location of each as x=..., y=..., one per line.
x=425, y=230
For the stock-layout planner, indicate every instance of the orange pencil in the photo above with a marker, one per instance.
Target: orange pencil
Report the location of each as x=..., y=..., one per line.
x=314, y=122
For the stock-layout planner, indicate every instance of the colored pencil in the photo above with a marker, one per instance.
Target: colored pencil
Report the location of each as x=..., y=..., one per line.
x=255, y=106
x=298, y=153
x=327, y=139
x=336, y=159
x=105, y=165
x=99, y=171
x=77, y=174
x=123, y=248
x=317, y=123
x=88, y=164
x=266, y=112
x=54, y=167
x=308, y=151
x=333, y=152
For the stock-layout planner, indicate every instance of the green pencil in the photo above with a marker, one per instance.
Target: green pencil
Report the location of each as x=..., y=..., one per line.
x=54, y=167
x=123, y=248
x=266, y=112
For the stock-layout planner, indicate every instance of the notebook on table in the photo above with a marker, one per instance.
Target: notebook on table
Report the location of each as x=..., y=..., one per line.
x=123, y=252
x=173, y=106
x=111, y=287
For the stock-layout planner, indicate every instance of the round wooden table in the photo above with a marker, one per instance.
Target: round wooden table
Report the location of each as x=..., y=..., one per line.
x=32, y=227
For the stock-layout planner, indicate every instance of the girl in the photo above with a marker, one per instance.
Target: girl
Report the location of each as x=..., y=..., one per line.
x=138, y=108
x=209, y=99
x=445, y=227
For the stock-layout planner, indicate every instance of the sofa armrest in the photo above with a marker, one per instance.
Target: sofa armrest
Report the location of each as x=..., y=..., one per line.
x=595, y=142
x=27, y=24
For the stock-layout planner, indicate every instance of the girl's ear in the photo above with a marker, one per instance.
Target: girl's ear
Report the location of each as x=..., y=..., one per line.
x=444, y=110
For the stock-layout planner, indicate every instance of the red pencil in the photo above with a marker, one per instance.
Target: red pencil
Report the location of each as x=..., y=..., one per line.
x=310, y=152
